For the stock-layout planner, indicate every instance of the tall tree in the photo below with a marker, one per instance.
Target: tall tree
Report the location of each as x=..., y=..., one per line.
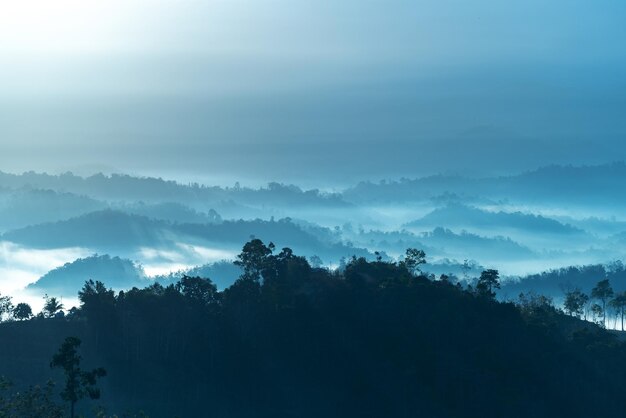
x=603, y=292
x=575, y=301
x=619, y=304
x=254, y=258
x=596, y=312
x=96, y=300
x=488, y=282
x=286, y=273
x=78, y=383
x=413, y=259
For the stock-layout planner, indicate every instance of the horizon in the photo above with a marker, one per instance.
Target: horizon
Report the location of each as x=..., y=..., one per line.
x=312, y=208
x=290, y=89
x=206, y=180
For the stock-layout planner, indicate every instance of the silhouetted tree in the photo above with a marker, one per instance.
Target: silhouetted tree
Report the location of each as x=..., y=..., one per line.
x=488, y=282
x=602, y=292
x=575, y=302
x=619, y=304
x=51, y=307
x=22, y=311
x=98, y=305
x=284, y=274
x=197, y=289
x=97, y=301
x=531, y=302
x=253, y=258
x=413, y=259
x=371, y=340
x=596, y=313
x=78, y=383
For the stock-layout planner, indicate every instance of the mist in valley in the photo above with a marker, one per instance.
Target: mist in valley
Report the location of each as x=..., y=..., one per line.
x=294, y=208
x=162, y=228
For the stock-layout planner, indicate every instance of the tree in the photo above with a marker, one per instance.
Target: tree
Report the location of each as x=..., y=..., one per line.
x=619, y=304
x=93, y=291
x=36, y=401
x=285, y=273
x=22, y=311
x=575, y=302
x=78, y=383
x=253, y=259
x=51, y=307
x=97, y=302
x=596, y=312
x=538, y=309
x=197, y=289
x=488, y=282
x=602, y=292
x=413, y=259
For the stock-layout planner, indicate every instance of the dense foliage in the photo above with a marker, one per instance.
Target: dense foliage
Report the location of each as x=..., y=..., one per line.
x=377, y=339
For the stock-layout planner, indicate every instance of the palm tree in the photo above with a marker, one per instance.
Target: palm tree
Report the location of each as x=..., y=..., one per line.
x=52, y=306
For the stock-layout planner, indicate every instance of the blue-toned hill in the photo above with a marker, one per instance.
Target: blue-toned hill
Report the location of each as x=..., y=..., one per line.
x=68, y=279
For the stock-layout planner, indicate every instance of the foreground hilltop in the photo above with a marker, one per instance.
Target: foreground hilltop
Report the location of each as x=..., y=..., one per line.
x=376, y=339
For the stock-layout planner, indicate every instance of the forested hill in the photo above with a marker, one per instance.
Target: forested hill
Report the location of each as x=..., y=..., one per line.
x=588, y=186
x=581, y=185
x=121, y=187
x=377, y=339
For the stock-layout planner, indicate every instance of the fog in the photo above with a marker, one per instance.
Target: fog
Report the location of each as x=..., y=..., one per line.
x=277, y=90
x=312, y=208
x=334, y=129
x=60, y=230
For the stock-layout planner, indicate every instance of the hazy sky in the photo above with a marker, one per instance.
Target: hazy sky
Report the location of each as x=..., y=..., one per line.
x=320, y=91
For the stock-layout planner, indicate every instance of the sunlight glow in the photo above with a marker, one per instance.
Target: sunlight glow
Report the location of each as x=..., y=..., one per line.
x=60, y=25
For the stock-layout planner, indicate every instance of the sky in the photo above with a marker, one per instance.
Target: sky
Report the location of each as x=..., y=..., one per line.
x=320, y=92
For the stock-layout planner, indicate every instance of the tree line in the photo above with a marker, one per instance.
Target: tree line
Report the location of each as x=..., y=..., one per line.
x=602, y=303
x=375, y=338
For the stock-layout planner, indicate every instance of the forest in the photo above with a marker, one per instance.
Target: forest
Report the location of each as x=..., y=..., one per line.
x=312, y=209
x=374, y=338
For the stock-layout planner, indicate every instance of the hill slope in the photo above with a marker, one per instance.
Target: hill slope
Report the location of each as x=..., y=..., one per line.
x=68, y=279
x=457, y=215
x=373, y=341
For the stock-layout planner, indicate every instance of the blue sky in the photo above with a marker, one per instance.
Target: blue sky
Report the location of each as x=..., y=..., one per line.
x=293, y=90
